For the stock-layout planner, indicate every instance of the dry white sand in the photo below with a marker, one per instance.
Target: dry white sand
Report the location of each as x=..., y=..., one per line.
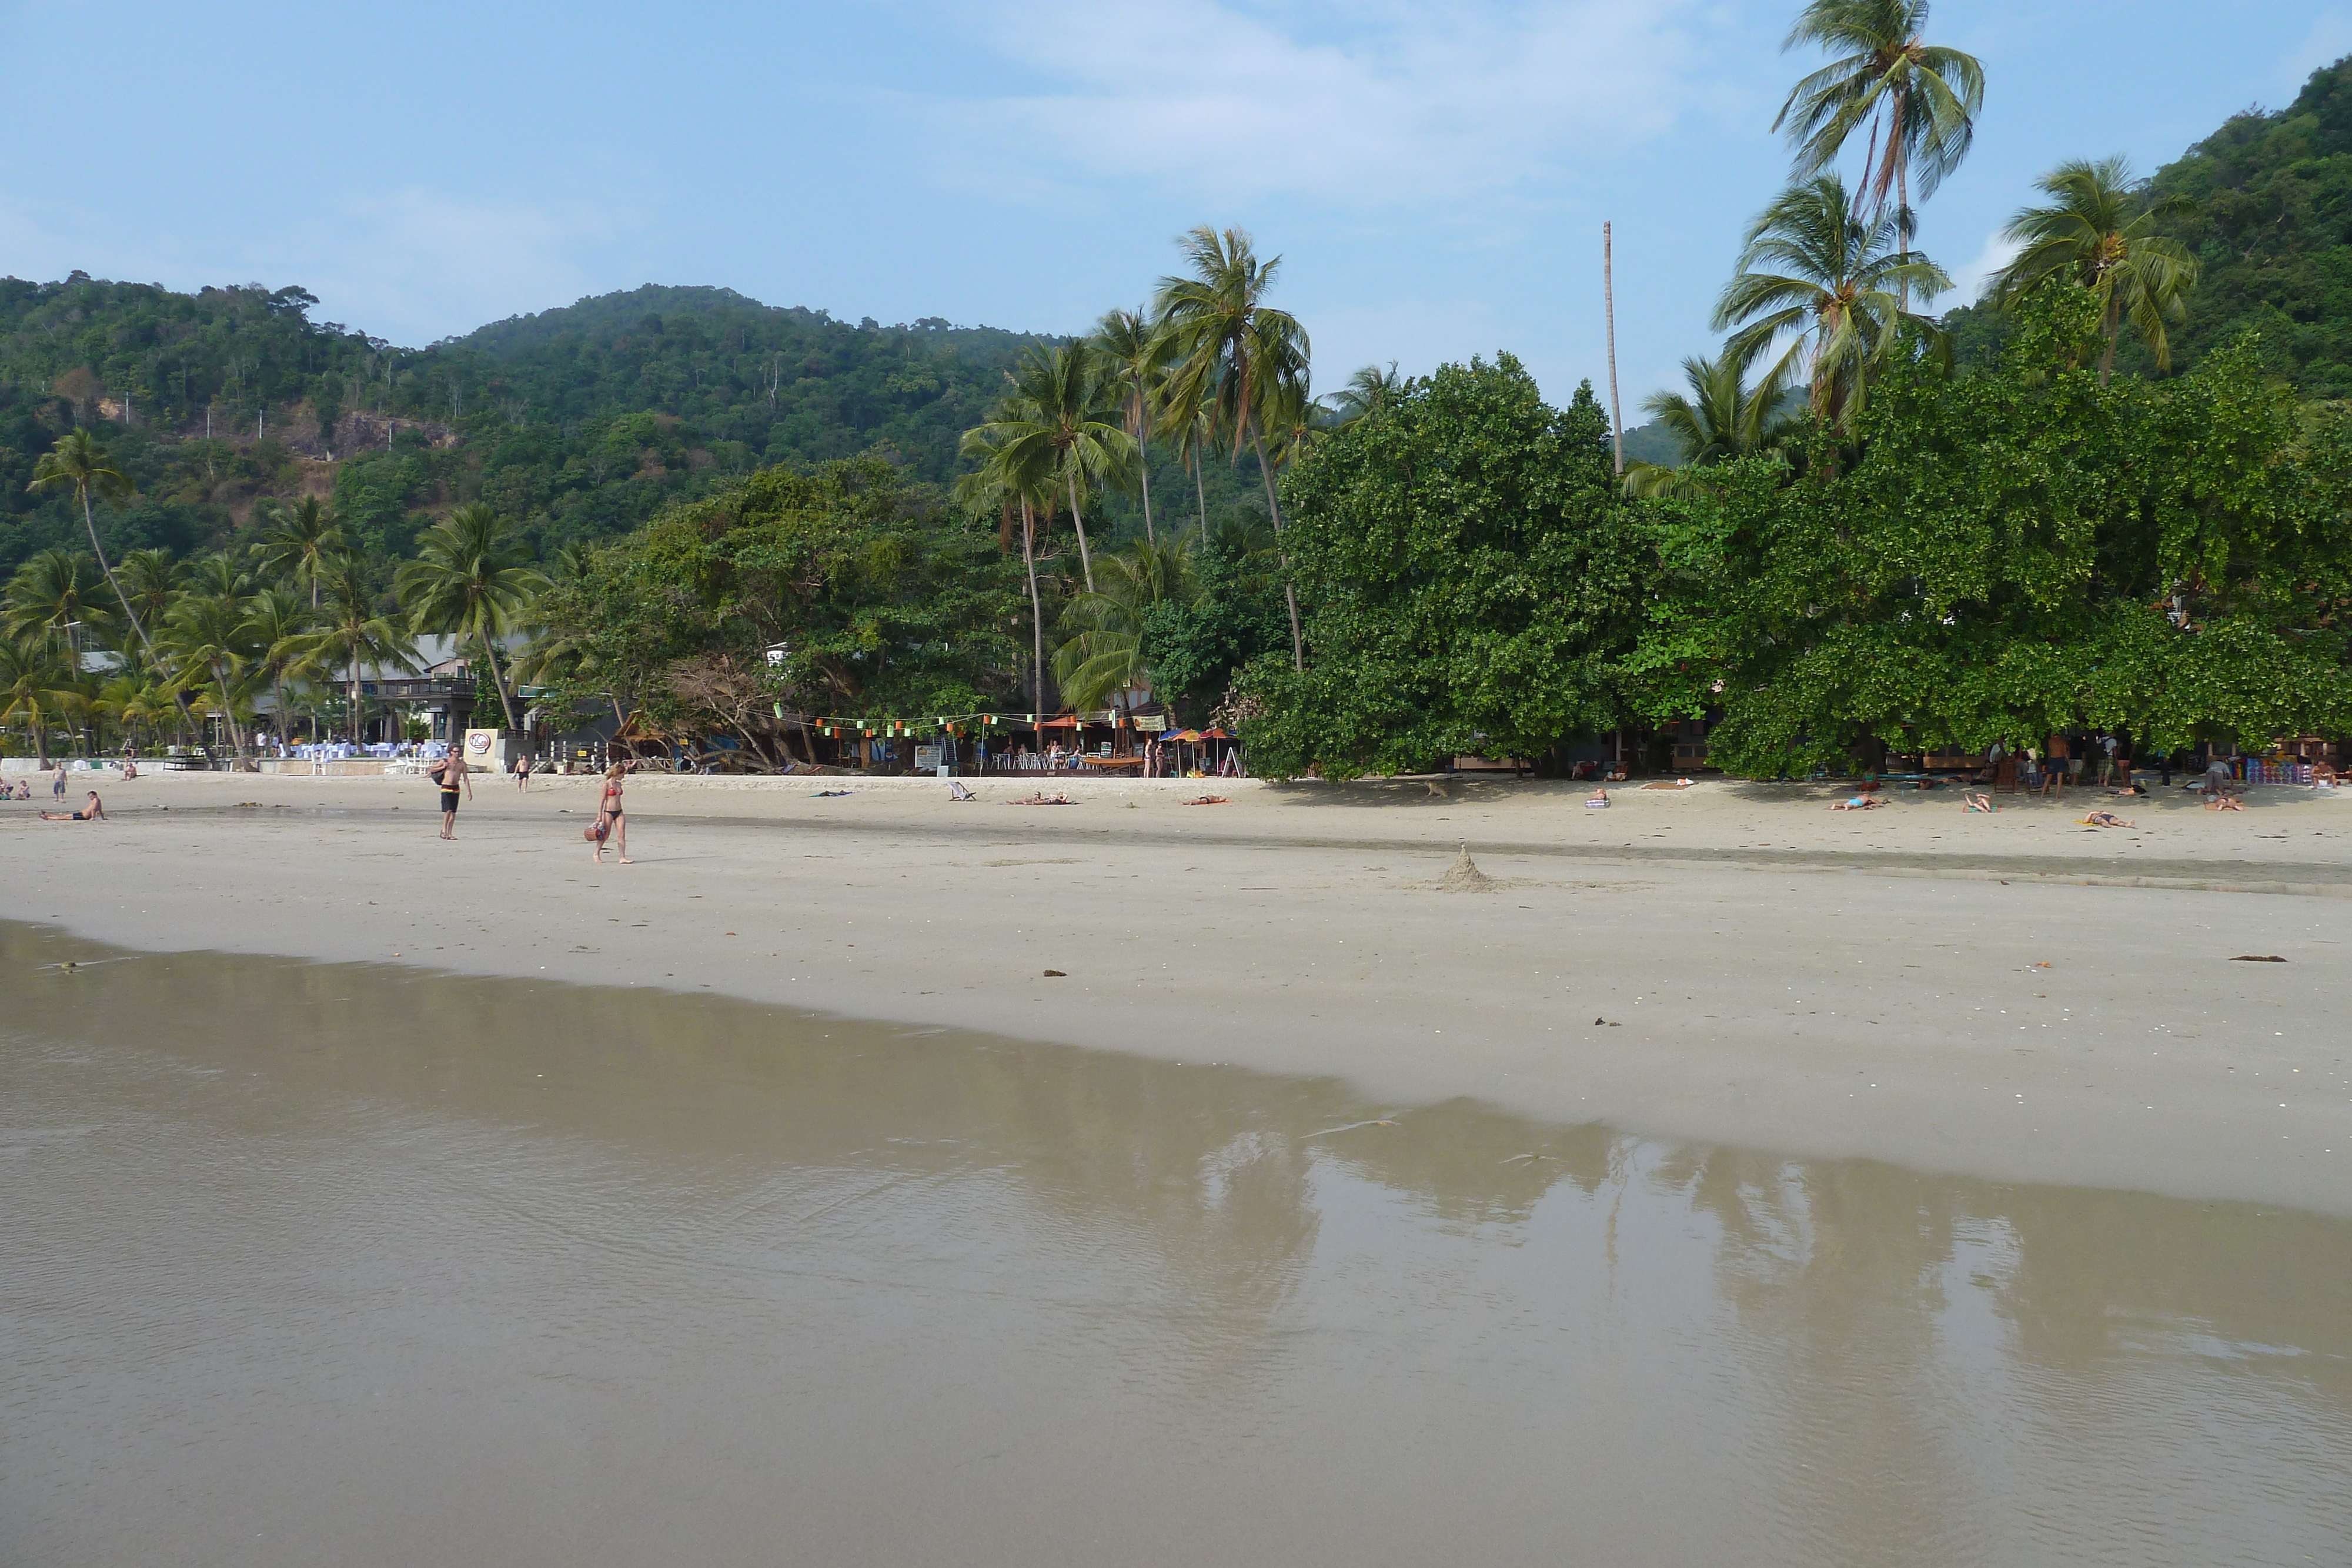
x=2011, y=995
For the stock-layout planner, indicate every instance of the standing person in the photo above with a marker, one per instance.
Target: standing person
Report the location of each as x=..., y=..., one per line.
x=58, y=785
x=610, y=822
x=2061, y=762
x=451, y=771
x=522, y=772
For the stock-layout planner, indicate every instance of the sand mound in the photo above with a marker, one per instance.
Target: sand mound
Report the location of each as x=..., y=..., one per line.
x=1463, y=875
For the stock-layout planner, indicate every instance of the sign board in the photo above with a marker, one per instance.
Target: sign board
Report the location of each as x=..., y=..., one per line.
x=1152, y=722
x=481, y=750
x=927, y=757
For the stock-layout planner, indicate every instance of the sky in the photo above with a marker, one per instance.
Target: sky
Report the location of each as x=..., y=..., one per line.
x=1435, y=177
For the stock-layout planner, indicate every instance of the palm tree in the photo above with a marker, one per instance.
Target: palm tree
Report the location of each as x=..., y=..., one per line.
x=2091, y=235
x=352, y=632
x=82, y=462
x=1368, y=389
x=36, y=687
x=281, y=632
x=1236, y=354
x=997, y=485
x=297, y=542
x=1820, y=273
x=468, y=582
x=1720, y=419
x=208, y=630
x=50, y=596
x=1060, y=420
x=1919, y=101
x=1193, y=432
x=1138, y=352
x=1103, y=654
x=135, y=697
x=150, y=578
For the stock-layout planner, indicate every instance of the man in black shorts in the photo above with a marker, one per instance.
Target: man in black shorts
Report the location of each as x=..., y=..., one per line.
x=452, y=773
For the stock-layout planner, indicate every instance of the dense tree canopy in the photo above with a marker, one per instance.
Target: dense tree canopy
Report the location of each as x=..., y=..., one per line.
x=1470, y=576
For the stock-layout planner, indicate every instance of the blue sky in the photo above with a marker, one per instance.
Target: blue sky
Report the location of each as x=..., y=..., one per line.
x=1435, y=176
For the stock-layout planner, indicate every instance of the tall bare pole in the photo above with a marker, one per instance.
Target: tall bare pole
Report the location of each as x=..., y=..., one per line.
x=1609, y=308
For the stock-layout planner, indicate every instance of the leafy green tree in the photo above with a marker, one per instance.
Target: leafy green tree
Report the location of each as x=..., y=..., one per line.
x=1196, y=647
x=1475, y=573
x=354, y=632
x=1010, y=489
x=208, y=637
x=1102, y=654
x=150, y=578
x=280, y=631
x=80, y=464
x=1235, y=356
x=1919, y=101
x=470, y=582
x=2014, y=553
x=2101, y=232
x=1834, y=285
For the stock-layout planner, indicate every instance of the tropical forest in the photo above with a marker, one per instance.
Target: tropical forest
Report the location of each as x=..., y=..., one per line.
x=2114, y=491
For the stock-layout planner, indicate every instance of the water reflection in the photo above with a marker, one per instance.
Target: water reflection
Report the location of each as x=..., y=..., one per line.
x=341, y=1262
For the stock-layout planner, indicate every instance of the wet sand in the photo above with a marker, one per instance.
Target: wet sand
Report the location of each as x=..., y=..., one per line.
x=361, y=1264
x=1732, y=963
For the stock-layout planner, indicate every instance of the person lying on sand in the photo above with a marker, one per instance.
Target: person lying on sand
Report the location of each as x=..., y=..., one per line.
x=1857, y=803
x=2106, y=820
x=1977, y=801
x=92, y=811
x=1597, y=801
x=1042, y=798
x=2129, y=790
x=1210, y=800
x=2224, y=803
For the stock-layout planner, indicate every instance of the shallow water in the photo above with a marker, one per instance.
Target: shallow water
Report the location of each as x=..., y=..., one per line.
x=310, y=1264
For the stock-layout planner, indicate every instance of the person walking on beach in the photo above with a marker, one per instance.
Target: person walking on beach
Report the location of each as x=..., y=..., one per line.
x=58, y=785
x=451, y=772
x=522, y=773
x=610, y=822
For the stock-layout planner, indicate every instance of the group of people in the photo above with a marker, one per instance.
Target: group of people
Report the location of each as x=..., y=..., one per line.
x=451, y=773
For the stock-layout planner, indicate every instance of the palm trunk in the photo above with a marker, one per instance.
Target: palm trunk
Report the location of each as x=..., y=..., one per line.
x=1143, y=469
x=491, y=652
x=1036, y=613
x=1200, y=488
x=1289, y=594
x=90, y=522
x=1086, y=561
x=228, y=710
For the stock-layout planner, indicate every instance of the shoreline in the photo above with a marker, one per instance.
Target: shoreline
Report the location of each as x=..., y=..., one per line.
x=1731, y=964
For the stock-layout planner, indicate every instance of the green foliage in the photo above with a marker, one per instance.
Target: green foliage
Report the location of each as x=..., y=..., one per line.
x=2269, y=217
x=1473, y=576
x=1196, y=647
x=886, y=603
x=2008, y=557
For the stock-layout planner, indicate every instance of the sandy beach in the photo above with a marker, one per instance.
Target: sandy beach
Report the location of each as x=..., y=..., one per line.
x=2011, y=997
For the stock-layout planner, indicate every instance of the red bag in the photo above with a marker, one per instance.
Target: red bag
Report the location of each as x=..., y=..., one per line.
x=598, y=831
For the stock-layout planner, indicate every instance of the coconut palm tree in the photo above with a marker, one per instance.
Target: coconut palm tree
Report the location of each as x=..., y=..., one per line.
x=80, y=463
x=207, y=634
x=1234, y=354
x=1006, y=487
x=1368, y=389
x=1721, y=418
x=471, y=582
x=50, y=595
x=1062, y=419
x=37, y=687
x=2092, y=235
x=1193, y=433
x=1138, y=352
x=1919, y=101
x=150, y=578
x=297, y=543
x=1103, y=653
x=280, y=631
x=137, y=698
x=1834, y=285
x=352, y=632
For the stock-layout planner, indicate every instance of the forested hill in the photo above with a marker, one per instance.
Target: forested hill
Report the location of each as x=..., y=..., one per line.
x=579, y=422
x=2272, y=222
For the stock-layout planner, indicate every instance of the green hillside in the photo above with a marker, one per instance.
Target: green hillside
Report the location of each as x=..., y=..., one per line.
x=579, y=422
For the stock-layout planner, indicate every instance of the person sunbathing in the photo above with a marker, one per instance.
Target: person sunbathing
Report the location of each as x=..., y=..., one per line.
x=2224, y=803
x=1858, y=803
x=92, y=812
x=1042, y=798
x=1210, y=800
x=2129, y=790
x=2105, y=819
x=1977, y=801
x=1597, y=801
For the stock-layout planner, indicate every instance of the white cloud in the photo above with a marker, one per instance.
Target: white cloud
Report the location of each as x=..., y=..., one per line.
x=1394, y=103
x=1969, y=282
x=2329, y=40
